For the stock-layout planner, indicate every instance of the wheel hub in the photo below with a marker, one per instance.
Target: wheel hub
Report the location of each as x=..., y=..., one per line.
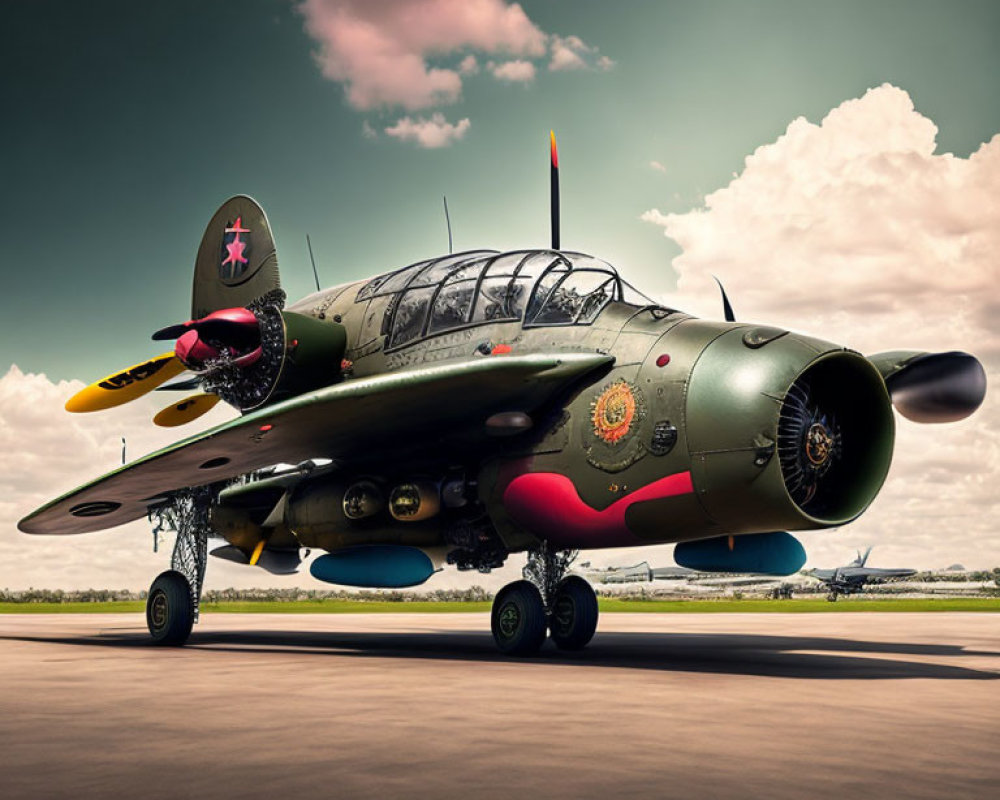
x=563, y=613
x=510, y=618
x=159, y=610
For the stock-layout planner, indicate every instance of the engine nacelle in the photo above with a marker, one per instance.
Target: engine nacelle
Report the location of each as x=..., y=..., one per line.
x=259, y=354
x=298, y=354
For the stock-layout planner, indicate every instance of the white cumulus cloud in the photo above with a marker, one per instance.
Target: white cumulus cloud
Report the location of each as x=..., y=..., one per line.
x=382, y=51
x=571, y=52
x=519, y=71
x=856, y=230
x=429, y=133
x=417, y=54
x=469, y=65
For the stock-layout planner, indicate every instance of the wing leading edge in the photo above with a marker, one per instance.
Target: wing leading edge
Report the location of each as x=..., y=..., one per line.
x=330, y=422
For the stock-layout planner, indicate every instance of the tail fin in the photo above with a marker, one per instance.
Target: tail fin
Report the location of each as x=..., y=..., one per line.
x=237, y=262
x=861, y=559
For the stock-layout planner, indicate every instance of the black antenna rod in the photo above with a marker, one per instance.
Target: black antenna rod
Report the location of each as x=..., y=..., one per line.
x=315, y=273
x=447, y=219
x=554, y=191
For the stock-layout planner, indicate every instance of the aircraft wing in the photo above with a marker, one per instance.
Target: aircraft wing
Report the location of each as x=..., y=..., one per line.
x=875, y=572
x=887, y=572
x=334, y=422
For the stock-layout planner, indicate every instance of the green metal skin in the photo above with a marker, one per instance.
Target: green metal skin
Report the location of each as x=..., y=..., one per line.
x=721, y=394
x=717, y=387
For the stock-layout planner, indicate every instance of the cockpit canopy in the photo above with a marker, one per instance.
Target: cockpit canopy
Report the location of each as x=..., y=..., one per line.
x=535, y=287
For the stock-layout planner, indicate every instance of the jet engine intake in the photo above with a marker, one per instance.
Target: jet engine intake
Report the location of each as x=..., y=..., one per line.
x=791, y=436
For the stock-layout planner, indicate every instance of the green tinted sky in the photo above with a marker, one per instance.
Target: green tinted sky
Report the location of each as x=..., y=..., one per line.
x=125, y=124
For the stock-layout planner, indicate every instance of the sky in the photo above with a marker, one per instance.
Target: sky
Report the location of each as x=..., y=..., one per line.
x=837, y=165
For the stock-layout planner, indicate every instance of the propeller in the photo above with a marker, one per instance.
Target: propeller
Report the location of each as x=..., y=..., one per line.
x=181, y=385
x=231, y=334
x=235, y=324
x=186, y=410
x=126, y=385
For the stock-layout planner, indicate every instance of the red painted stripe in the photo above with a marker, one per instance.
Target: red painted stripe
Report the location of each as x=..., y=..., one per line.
x=548, y=505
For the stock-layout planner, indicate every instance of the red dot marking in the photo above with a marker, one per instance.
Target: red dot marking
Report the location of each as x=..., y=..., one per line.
x=265, y=428
x=663, y=360
x=501, y=349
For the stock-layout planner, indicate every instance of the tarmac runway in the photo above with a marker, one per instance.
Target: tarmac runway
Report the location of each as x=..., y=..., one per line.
x=421, y=705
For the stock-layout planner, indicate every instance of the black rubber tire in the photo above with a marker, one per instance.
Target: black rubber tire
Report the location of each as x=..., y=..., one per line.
x=518, y=619
x=574, y=614
x=170, y=609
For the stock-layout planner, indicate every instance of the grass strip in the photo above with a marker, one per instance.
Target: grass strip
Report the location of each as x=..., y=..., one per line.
x=724, y=606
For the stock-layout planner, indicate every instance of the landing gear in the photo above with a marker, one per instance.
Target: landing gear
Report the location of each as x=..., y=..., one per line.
x=169, y=609
x=518, y=619
x=545, y=599
x=574, y=614
x=174, y=597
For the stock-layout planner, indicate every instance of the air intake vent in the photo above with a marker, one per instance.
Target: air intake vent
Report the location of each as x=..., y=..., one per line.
x=835, y=435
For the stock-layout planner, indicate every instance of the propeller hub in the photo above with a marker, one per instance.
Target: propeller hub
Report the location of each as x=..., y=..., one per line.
x=819, y=444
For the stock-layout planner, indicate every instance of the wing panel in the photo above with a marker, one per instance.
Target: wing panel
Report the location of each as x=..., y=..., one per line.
x=330, y=422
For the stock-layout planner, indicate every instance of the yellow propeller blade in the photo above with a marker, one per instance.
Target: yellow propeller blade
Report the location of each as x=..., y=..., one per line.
x=187, y=410
x=255, y=557
x=126, y=385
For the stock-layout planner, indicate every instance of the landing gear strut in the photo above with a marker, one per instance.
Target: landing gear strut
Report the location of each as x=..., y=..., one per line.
x=174, y=598
x=545, y=599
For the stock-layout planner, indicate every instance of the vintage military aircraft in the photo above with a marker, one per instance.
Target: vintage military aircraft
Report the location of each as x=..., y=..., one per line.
x=852, y=578
x=483, y=403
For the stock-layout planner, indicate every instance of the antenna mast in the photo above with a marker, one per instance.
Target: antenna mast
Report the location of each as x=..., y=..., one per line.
x=554, y=191
x=315, y=273
x=447, y=219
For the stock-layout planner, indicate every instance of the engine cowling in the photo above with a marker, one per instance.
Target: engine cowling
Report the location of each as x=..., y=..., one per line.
x=260, y=354
x=796, y=434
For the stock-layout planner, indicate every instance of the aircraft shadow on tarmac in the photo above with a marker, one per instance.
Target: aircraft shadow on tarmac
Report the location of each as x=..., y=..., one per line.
x=738, y=654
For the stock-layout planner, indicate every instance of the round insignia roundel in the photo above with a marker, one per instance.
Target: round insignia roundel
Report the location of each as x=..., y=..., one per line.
x=614, y=411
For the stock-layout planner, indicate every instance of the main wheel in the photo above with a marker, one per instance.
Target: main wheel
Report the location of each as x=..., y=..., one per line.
x=574, y=614
x=170, y=609
x=518, y=619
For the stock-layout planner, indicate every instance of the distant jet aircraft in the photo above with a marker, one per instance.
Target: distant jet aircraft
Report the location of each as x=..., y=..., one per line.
x=852, y=578
x=477, y=404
